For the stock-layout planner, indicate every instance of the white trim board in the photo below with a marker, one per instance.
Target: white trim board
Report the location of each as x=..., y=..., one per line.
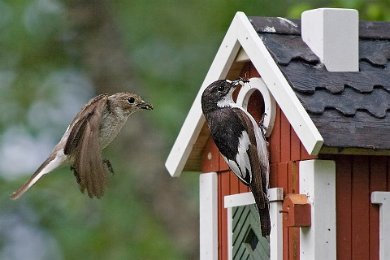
x=317, y=180
x=208, y=216
x=241, y=34
x=383, y=199
x=275, y=196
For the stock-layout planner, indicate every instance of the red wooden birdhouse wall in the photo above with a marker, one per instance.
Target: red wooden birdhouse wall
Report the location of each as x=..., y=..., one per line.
x=324, y=98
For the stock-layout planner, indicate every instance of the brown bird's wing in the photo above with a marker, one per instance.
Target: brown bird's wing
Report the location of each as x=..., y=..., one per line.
x=84, y=146
x=258, y=184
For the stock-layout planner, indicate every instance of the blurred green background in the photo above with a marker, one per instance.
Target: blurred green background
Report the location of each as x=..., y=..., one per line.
x=54, y=56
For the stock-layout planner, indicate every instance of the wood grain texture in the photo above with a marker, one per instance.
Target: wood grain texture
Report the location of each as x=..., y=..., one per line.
x=343, y=207
x=378, y=179
x=360, y=208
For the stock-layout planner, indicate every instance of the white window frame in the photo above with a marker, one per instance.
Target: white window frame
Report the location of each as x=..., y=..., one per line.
x=383, y=199
x=275, y=196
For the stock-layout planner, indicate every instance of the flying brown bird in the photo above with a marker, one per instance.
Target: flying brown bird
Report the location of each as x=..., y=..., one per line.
x=93, y=128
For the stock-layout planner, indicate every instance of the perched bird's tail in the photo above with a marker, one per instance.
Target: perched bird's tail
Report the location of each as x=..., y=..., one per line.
x=47, y=166
x=265, y=219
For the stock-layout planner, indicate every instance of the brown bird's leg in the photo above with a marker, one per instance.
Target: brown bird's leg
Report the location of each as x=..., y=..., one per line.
x=108, y=165
x=75, y=173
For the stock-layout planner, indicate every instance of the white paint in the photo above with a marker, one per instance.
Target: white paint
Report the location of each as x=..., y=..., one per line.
x=275, y=196
x=383, y=199
x=242, y=34
x=208, y=209
x=269, y=29
x=278, y=85
x=317, y=180
x=284, y=20
x=269, y=102
x=194, y=121
x=333, y=35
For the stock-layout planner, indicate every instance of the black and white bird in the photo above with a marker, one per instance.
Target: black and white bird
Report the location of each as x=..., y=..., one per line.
x=241, y=142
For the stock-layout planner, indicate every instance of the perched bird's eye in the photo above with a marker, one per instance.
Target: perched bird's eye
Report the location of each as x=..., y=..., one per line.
x=221, y=88
x=131, y=100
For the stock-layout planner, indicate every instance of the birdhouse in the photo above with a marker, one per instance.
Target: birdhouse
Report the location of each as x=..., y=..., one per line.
x=322, y=85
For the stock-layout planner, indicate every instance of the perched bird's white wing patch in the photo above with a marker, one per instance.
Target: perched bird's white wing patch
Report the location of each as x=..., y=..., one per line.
x=241, y=166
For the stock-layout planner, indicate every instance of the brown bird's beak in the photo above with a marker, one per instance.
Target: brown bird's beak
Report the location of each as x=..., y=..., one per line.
x=145, y=105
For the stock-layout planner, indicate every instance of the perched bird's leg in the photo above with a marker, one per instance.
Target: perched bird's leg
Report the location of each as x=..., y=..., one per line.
x=108, y=165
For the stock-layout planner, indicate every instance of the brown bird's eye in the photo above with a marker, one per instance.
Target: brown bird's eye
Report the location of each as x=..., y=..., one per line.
x=221, y=88
x=131, y=100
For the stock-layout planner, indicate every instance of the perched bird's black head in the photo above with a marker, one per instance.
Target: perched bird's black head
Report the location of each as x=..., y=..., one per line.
x=218, y=94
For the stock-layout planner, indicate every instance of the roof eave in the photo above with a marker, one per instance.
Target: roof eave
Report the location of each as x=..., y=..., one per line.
x=242, y=34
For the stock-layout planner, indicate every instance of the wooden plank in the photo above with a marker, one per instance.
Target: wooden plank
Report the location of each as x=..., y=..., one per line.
x=210, y=160
x=225, y=190
x=220, y=227
x=360, y=208
x=223, y=166
x=282, y=178
x=343, y=207
x=378, y=172
x=293, y=245
x=274, y=140
x=317, y=180
x=295, y=146
x=208, y=215
x=388, y=173
x=383, y=198
x=285, y=242
x=234, y=184
x=273, y=175
x=293, y=177
x=305, y=155
x=285, y=139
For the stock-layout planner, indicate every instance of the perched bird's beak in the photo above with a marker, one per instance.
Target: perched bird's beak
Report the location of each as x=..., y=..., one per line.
x=240, y=81
x=144, y=105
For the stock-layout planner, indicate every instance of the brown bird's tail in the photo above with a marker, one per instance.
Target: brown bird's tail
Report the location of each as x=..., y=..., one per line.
x=47, y=166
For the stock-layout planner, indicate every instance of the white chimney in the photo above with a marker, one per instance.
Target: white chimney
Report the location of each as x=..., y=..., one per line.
x=333, y=35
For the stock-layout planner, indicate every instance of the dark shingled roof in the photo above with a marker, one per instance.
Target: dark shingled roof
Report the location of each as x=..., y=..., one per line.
x=350, y=109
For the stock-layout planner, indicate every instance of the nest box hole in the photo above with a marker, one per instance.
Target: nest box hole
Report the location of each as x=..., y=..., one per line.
x=256, y=106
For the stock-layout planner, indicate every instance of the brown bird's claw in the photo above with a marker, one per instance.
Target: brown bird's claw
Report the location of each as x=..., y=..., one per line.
x=108, y=165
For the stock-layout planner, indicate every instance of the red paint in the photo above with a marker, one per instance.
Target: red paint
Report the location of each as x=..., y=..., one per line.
x=356, y=177
x=360, y=208
x=358, y=219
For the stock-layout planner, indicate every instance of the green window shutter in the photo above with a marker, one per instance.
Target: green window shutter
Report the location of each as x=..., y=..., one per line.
x=247, y=240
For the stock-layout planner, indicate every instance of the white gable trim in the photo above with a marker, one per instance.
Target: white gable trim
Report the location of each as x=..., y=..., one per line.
x=242, y=34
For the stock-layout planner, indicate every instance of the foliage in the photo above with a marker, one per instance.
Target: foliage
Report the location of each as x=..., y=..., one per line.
x=46, y=75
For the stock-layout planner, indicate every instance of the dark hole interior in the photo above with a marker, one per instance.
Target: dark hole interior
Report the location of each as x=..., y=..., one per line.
x=256, y=105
